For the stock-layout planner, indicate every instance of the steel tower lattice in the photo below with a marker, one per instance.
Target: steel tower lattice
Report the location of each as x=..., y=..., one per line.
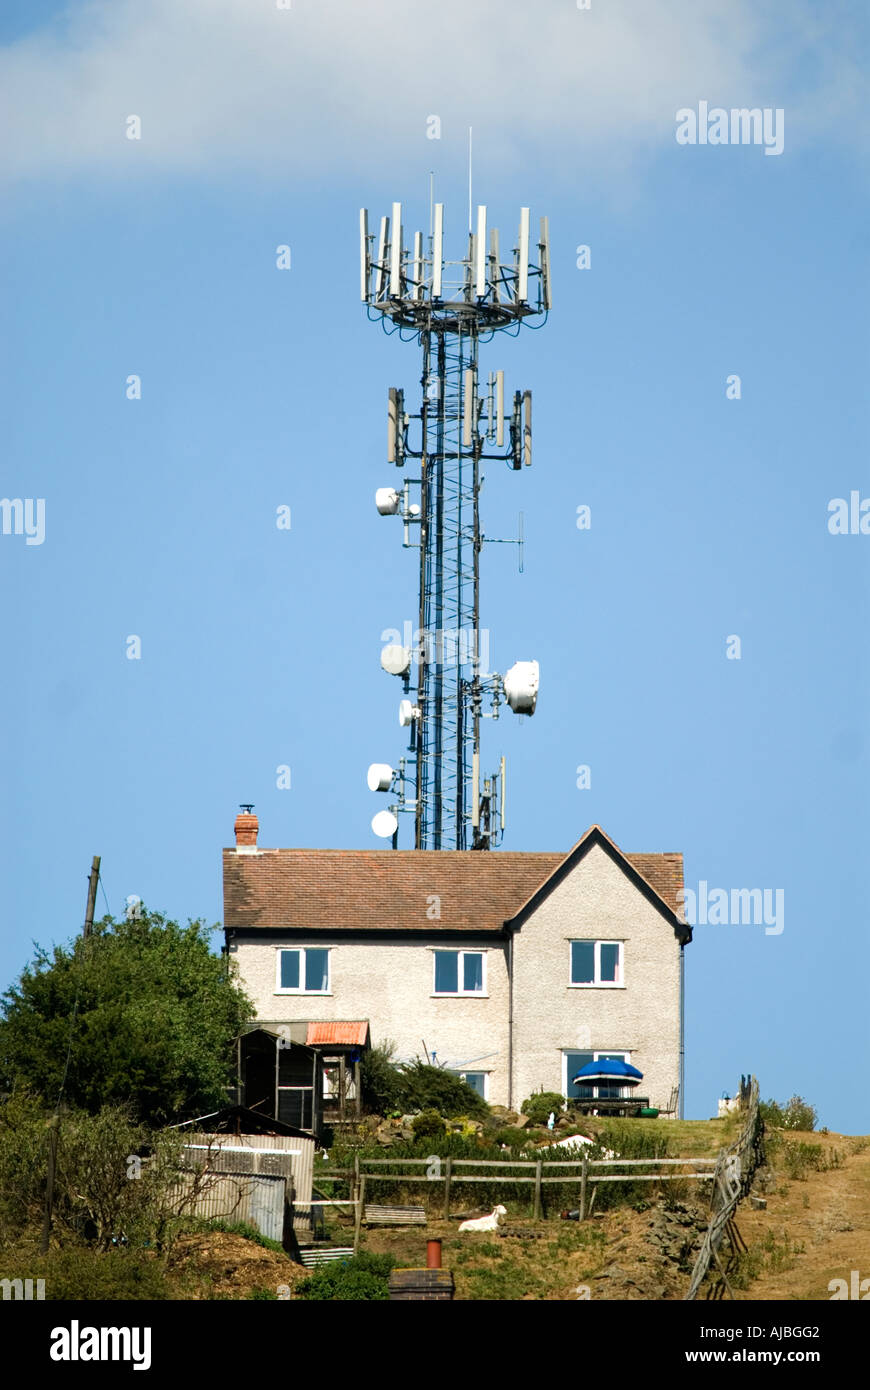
x=450, y=308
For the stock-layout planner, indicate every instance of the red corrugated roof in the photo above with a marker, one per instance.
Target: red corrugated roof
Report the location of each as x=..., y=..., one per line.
x=337, y=1034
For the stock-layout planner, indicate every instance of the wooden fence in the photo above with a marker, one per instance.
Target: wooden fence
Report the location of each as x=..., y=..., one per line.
x=735, y=1169
x=537, y=1173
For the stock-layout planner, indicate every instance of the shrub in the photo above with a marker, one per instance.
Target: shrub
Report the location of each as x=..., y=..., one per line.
x=428, y=1125
x=797, y=1114
x=541, y=1105
x=364, y=1277
x=426, y=1087
x=114, y=1177
x=79, y=1272
x=799, y=1159
x=381, y=1079
x=512, y=1138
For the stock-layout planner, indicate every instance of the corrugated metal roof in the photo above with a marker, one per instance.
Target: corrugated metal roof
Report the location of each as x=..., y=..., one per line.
x=337, y=1034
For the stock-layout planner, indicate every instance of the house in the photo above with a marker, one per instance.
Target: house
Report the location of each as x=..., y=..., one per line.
x=511, y=969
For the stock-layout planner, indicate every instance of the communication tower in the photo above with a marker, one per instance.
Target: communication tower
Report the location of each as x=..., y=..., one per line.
x=450, y=308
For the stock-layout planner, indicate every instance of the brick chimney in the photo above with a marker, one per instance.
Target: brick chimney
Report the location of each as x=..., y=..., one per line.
x=246, y=828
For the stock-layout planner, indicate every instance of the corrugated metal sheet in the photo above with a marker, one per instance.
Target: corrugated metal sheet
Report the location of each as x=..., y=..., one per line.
x=268, y=1154
x=338, y=1034
x=256, y=1198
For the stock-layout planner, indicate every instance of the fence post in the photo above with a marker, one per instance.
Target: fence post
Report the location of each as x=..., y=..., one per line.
x=360, y=1198
x=448, y=1170
x=583, y=1189
x=538, y=1170
x=356, y=1174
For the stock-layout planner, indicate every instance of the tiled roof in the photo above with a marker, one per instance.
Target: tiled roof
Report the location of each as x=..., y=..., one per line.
x=337, y=1034
x=376, y=890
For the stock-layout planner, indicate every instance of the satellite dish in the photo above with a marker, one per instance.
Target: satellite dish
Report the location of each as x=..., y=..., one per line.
x=385, y=825
x=396, y=660
x=407, y=713
x=380, y=777
x=521, y=686
x=387, y=501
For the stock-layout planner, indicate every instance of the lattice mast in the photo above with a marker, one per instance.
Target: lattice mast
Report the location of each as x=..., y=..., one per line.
x=450, y=308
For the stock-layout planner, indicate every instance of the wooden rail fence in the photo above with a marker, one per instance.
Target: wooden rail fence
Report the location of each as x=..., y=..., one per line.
x=735, y=1169
x=536, y=1173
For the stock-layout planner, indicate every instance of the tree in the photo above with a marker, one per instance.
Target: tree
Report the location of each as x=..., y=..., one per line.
x=156, y=1017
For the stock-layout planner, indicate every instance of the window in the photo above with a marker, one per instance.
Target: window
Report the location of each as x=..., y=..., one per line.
x=459, y=972
x=572, y=1063
x=303, y=970
x=596, y=964
x=475, y=1079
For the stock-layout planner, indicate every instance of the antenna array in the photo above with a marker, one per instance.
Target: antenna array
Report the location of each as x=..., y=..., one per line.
x=450, y=307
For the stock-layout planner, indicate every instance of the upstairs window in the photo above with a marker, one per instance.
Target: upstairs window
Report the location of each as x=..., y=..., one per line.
x=596, y=964
x=303, y=970
x=459, y=972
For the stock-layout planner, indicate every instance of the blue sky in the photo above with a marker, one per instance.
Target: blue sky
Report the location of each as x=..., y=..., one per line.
x=263, y=387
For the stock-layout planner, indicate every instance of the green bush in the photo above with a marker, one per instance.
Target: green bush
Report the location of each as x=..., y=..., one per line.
x=114, y=1176
x=432, y=1088
x=796, y=1114
x=381, y=1079
x=76, y=1272
x=364, y=1277
x=541, y=1105
x=512, y=1138
x=799, y=1158
x=428, y=1125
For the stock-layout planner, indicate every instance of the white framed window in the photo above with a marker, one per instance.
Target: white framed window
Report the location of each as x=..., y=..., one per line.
x=302, y=970
x=459, y=972
x=596, y=965
x=572, y=1062
x=477, y=1080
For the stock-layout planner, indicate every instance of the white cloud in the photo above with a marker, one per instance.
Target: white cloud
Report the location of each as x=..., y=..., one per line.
x=338, y=85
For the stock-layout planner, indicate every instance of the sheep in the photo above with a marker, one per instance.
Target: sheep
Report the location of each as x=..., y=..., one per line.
x=485, y=1223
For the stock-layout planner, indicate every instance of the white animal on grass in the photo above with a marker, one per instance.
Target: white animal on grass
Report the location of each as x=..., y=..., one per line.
x=485, y=1223
x=574, y=1139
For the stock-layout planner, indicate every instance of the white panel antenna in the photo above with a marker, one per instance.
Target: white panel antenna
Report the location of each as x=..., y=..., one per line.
x=396, y=254
x=527, y=428
x=480, y=254
x=417, y=292
x=392, y=424
x=499, y=409
x=381, y=277
x=545, y=262
x=438, y=251
x=365, y=264
x=468, y=408
x=494, y=267
x=523, y=258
